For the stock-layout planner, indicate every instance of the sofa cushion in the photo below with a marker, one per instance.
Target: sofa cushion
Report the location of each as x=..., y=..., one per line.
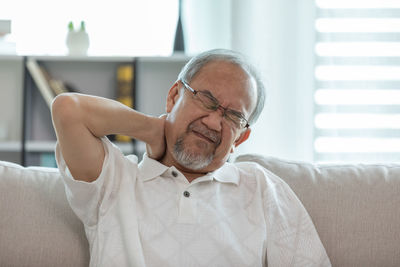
x=355, y=208
x=37, y=226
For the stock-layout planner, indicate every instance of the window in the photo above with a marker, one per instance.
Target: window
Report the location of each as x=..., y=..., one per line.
x=118, y=27
x=357, y=78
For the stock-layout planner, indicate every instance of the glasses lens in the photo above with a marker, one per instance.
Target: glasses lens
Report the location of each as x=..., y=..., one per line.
x=208, y=101
x=235, y=119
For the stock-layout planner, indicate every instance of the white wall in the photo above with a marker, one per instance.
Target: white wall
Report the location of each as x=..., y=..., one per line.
x=278, y=36
x=206, y=25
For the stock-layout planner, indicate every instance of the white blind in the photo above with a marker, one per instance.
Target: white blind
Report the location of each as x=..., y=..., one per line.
x=357, y=81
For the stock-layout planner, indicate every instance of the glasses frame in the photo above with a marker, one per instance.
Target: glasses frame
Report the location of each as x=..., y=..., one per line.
x=217, y=104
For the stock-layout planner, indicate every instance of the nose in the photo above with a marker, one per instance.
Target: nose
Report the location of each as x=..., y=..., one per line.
x=214, y=119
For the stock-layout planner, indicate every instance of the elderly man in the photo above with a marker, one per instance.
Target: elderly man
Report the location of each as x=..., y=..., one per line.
x=183, y=204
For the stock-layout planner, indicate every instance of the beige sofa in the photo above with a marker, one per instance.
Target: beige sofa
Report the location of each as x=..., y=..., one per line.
x=355, y=208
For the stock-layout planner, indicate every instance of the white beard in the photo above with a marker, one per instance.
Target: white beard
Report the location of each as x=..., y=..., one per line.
x=190, y=160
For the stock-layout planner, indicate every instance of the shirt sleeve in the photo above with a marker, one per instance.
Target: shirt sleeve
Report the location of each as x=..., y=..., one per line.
x=292, y=239
x=91, y=201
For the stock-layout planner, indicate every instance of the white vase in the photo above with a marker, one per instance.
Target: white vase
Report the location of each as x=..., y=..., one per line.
x=77, y=42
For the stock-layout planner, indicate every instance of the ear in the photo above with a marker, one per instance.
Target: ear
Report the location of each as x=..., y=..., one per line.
x=172, y=97
x=242, y=137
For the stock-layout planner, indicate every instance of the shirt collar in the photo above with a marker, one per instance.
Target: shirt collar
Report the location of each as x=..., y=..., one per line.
x=228, y=173
x=150, y=168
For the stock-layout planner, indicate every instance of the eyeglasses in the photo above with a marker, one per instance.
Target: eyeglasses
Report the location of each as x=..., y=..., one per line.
x=235, y=118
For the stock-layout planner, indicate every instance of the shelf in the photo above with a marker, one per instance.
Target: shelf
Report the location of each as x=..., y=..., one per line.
x=49, y=146
x=6, y=57
x=92, y=75
x=173, y=58
x=10, y=146
x=126, y=148
x=40, y=146
x=83, y=58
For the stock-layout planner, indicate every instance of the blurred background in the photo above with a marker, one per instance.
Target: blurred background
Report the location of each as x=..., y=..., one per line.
x=331, y=67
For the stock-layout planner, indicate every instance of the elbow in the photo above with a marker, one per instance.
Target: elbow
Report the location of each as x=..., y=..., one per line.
x=65, y=108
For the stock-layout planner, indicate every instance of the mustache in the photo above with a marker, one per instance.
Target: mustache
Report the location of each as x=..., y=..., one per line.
x=214, y=136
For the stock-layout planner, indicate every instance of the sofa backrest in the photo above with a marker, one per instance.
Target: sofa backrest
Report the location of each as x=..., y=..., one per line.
x=37, y=226
x=355, y=208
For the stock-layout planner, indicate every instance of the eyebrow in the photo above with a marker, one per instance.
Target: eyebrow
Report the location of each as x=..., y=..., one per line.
x=237, y=113
x=209, y=93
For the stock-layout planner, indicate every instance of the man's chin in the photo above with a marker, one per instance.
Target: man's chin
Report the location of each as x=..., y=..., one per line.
x=193, y=153
x=192, y=160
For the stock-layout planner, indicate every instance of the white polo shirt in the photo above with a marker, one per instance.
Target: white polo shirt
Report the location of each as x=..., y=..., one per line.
x=148, y=214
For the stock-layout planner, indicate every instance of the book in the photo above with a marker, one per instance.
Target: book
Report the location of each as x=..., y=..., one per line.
x=57, y=86
x=47, y=85
x=40, y=81
x=125, y=76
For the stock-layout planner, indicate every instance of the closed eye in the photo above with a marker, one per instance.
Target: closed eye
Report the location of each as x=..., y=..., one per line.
x=235, y=113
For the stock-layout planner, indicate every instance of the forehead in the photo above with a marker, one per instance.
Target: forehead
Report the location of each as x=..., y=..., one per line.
x=229, y=83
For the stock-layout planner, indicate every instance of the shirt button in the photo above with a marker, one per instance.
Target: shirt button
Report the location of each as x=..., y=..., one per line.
x=186, y=194
x=174, y=173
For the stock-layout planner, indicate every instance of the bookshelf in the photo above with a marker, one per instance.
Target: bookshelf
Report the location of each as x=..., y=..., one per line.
x=29, y=137
x=11, y=83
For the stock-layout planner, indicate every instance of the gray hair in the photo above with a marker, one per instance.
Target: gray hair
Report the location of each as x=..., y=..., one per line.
x=191, y=68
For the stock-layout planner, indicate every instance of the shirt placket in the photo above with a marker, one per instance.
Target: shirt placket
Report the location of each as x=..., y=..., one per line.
x=187, y=201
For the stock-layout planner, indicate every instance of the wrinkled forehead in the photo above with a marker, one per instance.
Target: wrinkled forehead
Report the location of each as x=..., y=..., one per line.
x=218, y=75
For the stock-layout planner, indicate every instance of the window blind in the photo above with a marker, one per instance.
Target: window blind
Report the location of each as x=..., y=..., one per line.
x=357, y=81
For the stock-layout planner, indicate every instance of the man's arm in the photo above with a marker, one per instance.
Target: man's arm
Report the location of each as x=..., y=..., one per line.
x=291, y=234
x=81, y=120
